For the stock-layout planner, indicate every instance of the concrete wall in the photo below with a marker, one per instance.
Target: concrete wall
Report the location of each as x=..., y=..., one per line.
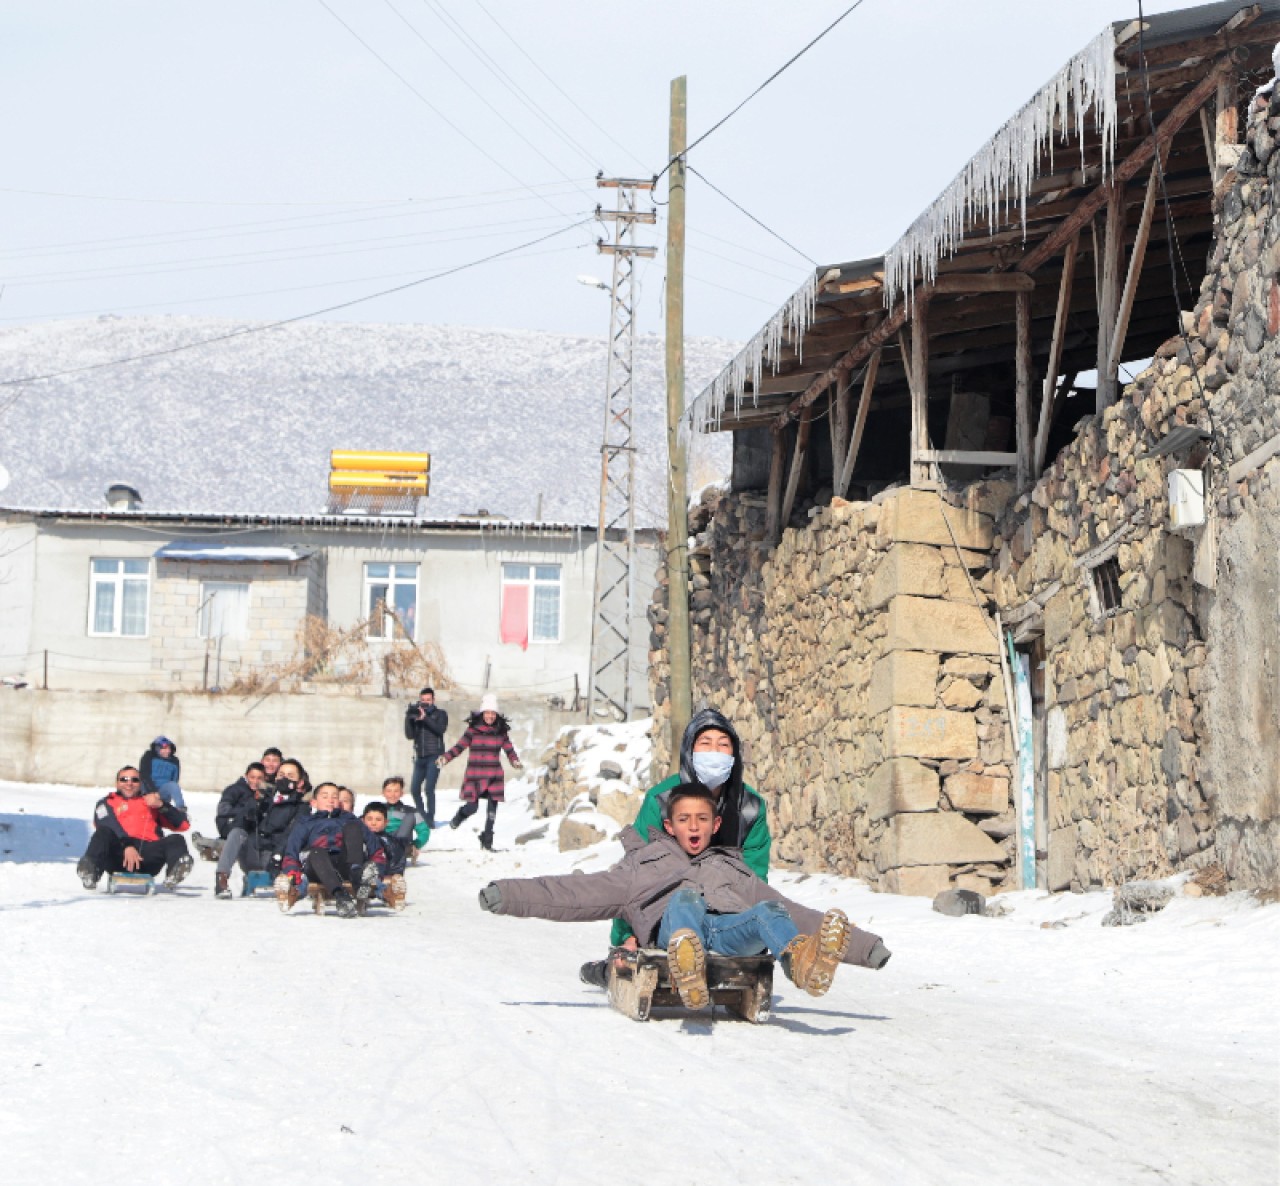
x=45, y=605
x=84, y=737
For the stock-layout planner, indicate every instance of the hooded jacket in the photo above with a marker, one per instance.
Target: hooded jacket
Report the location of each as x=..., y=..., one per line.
x=281, y=807
x=640, y=885
x=325, y=830
x=157, y=771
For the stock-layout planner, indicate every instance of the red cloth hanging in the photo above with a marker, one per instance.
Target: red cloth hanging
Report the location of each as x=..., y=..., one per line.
x=515, y=615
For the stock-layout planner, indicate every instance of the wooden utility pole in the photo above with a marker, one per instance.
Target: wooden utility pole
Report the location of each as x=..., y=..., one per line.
x=678, y=647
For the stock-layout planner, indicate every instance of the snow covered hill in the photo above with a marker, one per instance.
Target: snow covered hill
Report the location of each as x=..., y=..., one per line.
x=513, y=419
x=180, y=1039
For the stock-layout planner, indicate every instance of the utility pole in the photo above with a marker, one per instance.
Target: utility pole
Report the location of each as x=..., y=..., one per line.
x=609, y=689
x=677, y=495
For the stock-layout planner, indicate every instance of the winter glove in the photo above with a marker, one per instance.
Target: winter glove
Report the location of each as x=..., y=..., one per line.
x=878, y=956
x=491, y=898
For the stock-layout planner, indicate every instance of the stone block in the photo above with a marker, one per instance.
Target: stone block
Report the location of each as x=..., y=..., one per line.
x=947, y=627
x=922, y=881
x=916, y=516
x=929, y=733
x=907, y=569
x=899, y=785
x=935, y=838
x=977, y=793
x=961, y=694
x=574, y=835
x=1062, y=858
x=619, y=805
x=1057, y=620
x=903, y=677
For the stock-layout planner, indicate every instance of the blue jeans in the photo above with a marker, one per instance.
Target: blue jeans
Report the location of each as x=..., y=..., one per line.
x=425, y=771
x=765, y=927
x=171, y=792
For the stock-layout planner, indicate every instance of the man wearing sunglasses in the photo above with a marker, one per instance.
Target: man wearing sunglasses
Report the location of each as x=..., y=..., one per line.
x=128, y=835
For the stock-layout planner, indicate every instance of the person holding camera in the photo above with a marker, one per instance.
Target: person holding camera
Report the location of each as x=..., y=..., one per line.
x=425, y=723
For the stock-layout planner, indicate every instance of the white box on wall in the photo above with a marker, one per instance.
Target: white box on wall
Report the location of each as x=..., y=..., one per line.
x=1186, y=499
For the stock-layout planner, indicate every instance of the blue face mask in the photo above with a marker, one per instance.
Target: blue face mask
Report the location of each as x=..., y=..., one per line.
x=712, y=768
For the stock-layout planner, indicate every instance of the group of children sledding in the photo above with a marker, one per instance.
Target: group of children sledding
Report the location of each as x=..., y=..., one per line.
x=692, y=880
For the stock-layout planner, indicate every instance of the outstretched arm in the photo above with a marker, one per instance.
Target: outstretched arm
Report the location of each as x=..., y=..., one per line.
x=575, y=897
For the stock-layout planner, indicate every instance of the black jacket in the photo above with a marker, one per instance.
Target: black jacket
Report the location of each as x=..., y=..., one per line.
x=426, y=729
x=238, y=808
x=280, y=808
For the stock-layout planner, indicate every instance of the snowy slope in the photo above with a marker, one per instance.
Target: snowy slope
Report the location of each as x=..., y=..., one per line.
x=247, y=424
x=181, y=1039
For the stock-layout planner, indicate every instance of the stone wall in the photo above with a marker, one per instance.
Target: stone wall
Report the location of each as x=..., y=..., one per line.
x=862, y=671
x=859, y=663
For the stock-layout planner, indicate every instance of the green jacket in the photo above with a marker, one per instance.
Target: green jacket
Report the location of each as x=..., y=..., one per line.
x=755, y=850
x=419, y=833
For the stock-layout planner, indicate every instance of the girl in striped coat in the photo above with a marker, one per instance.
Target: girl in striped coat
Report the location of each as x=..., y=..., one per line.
x=488, y=735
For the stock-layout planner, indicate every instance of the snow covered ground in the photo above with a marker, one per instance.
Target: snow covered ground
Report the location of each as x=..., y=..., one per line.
x=181, y=1039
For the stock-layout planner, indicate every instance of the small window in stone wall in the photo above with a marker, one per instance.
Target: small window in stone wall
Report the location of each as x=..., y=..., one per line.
x=1106, y=586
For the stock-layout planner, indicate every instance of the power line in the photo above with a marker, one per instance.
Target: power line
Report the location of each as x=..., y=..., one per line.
x=585, y=114
x=495, y=68
x=48, y=193
x=479, y=94
x=785, y=65
x=751, y=216
x=256, y=329
x=433, y=108
x=236, y=296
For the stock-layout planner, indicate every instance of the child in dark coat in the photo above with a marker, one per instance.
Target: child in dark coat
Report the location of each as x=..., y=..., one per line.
x=330, y=845
x=392, y=884
x=488, y=736
x=690, y=897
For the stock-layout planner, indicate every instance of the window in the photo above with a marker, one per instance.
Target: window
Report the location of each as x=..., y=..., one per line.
x=224, y=609
x=530, y=603
x=1106, y=586
x=391, y=600
x=118, y=595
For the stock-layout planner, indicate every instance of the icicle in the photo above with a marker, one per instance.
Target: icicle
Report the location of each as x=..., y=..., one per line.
x=1001, y=172
x=787, y=325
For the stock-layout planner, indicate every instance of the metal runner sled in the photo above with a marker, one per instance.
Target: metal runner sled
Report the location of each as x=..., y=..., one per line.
x=131, y=881
x=743, y=984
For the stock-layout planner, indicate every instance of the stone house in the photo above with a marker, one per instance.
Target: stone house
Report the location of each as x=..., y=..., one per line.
x=985, y=615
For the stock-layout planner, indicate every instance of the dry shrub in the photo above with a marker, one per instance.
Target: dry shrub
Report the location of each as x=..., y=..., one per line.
x=1212, y=880
x=324, y=653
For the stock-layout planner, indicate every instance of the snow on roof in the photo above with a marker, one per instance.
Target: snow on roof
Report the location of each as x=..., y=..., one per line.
x=512, y=418
x=200, y=550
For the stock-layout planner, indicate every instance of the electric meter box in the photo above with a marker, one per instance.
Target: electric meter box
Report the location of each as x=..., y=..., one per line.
x=1186, y=499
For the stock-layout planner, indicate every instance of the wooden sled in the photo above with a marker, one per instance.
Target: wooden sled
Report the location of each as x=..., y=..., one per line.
x=131, y=881
x=742, y=984
x=320, y=898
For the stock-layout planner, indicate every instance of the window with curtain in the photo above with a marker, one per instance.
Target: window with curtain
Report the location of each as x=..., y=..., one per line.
x=119, y=593
x=530, y=603
x=224, y=609
x=391, y=600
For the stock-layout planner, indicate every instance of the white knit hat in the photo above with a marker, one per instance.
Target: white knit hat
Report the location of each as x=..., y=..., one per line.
x=489, y=703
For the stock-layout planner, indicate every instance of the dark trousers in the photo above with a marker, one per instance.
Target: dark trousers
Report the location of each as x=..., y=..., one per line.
x=425, y=774
x=332, y=866
x=106, y=851
x=467, y=810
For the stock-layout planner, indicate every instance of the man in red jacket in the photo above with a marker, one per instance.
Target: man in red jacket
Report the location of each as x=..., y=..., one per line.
x=128, y=837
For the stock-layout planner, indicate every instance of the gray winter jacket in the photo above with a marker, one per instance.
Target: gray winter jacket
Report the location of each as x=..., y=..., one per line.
x=639, y=887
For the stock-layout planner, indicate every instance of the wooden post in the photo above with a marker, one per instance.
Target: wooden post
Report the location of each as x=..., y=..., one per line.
x=1022, y=400
x=915, y=359
x=45, y=682
x=839, y=424
x=1055, y=356
x=1109, y=266
x=1136, y=256
x=773, y=517
x=797, y=465
x=1226, y=125
x=204, y=686
x=855, y=441
x=678, y=644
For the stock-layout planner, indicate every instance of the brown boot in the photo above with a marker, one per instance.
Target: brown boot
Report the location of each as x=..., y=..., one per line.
x=811, y=960
x=222, y=885
x=286, y=890
x=394, y=891
x=687, y=967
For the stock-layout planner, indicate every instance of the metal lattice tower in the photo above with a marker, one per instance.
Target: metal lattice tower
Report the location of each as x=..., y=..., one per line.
x=614, y=602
